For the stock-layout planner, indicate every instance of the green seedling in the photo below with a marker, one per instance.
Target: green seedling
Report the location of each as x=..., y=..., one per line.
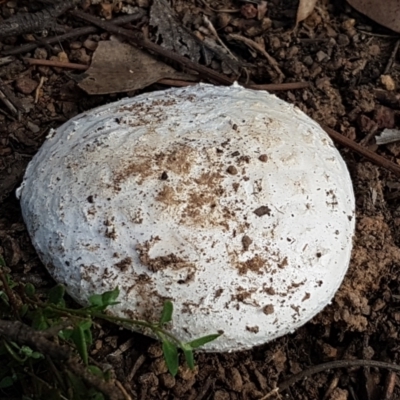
x=34, y=373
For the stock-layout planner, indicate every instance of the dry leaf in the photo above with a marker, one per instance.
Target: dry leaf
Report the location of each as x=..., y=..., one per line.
x=305, y=9
x=117, y=67
x=388, y=136
x=386, y=13
x=174, y=36
x=171, y=33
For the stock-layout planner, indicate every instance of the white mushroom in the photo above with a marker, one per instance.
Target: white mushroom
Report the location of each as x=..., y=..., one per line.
x=230, y=202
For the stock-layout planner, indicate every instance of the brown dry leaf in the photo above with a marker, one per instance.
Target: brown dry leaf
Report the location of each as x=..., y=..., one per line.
x=305, y=9
x=171, y=33
x=174, y=36
x=386, y=13
x=117, y=67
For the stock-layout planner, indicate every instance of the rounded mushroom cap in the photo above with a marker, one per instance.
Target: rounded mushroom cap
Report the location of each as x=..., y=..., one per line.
x=230, y=202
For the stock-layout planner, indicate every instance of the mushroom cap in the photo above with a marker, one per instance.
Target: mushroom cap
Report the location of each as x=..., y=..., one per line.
x=230, y=202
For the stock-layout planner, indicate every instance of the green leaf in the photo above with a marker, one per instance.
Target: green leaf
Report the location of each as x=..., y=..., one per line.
x=4, y=297
x=166, y=315
x=65, y=334
x=189, y=357
x=12, y=353
x=30, y=290
x=171, y=356
x=39, y=321
x=24, y=309
x=109, y=298
x=56, y=295
x=76, y=383
x=87, y=332
x=95, y=370
x=94, y=395
x=78, y=337
x=7, y=382
x=96, y=300
x=2, y=262
x=194, y=344
x=28, y=352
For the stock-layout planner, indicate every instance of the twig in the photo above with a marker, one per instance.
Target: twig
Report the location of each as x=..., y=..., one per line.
x=34, y=22
x=123, y=390
x=10, y=294
x=257, y=47
x=272, y=87
x=24, y=334
x=369, y=155
x=138, y=363
x=99, y=383
x=39, y=87
x=9, y=99
x=214, y=32
x=73, y=34
x=390, y=385
x=334, y=365
x=54, y=63
x=140, y=41
x=205, y=388
x=279, y=86
x=176, y=82
x=392, y=58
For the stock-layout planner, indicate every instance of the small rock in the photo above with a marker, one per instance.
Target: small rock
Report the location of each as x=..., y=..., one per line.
x=62, y=57
x=159, y=366
x=248, y=11
x=342, y=40
x=33, y=127
x=25, y=85
x=143, y=3
x=221, y=395
x=81, y=56
x=75, y=45
x=232, y=170
x=274, y=42
x=90, y=45
x=385, y=117
x=308, y=61
x=234, y=379
x=374, y=50
x=40, y=53
x=322, y=56
x=167, y=380
x=388, y=82
x=339, y=394
x=155, y=351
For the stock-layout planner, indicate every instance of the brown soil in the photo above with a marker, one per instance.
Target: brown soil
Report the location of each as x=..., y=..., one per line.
x=343, y=56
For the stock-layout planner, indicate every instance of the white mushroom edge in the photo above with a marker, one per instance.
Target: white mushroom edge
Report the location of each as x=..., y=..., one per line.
x=230, y=202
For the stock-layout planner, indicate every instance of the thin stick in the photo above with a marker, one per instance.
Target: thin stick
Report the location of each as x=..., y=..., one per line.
x=39, y=87
x=279, y=86
x=392, y=58
x=334, y=365
x=73, y=34
x=140, y=41
x=255, y=46
x=272, y=87
x=54, y=63
x=369, y=155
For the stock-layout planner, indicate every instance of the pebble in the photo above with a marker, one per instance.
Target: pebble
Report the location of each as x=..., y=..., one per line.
x=388, y=82
x=322, y=56
x=75, y=45
x=40, y=53
x=90, y=45
x=25, y=85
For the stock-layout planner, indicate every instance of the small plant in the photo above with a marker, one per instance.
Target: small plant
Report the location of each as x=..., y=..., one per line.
x=45, y=344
